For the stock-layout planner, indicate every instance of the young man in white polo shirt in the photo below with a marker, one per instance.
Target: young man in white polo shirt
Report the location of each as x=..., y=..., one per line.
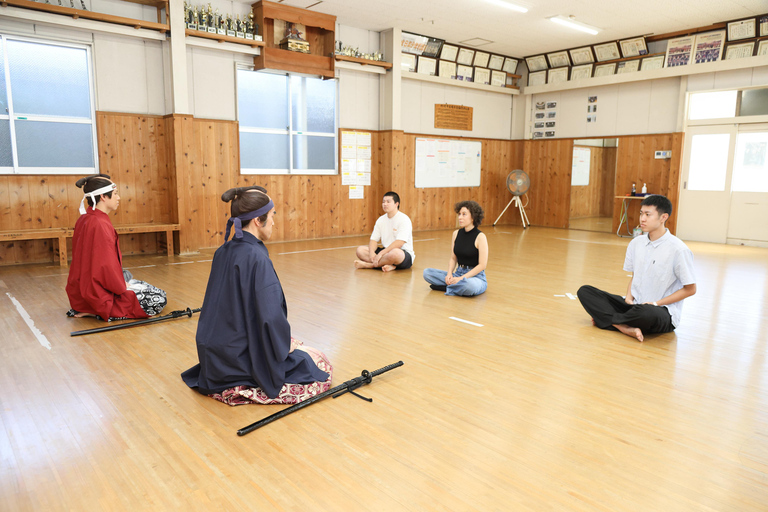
x=395, y=231
x=662, y=276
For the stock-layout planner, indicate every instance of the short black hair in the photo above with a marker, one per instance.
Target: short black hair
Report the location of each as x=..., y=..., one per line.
x=394, y=196
x=662, y=204
x=475, y=210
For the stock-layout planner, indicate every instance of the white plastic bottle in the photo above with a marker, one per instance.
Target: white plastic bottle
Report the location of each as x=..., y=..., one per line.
x=645, y=189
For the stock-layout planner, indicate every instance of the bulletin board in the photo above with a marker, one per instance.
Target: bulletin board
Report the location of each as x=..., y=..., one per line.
x=580, y=168
x=447, y=163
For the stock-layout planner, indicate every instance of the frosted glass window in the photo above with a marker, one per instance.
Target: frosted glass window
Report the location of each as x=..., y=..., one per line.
x=709, y=162
x=712, y=105
x=263, y=151
x=314, y=152
x=6, y=154
x=262, y=100
x=754, y=102
x=750, y=166
x=42, y=144
x=314, y=104
x=49, y=80
x=3, y=92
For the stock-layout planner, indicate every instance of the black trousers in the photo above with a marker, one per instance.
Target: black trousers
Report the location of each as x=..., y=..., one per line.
x=607, y=309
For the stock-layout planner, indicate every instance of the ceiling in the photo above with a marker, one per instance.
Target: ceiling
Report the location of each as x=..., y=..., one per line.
x=519, y=35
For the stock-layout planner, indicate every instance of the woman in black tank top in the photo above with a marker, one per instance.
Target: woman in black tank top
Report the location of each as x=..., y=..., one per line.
x=469, y=256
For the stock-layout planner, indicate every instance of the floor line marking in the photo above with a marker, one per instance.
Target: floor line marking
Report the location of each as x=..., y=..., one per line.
x=559, y=295
x=203, y=261
x=141, y=266
x=345, y=247
x=571, y=296
x=51, y=275
x=465, y=321
x=584, y=241
x=30, y=323
x=179, y=263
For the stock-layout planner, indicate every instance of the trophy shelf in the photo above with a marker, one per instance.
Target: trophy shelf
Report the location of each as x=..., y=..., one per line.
x=380, y=63
x=319, y=33
x=223, y=39
x=91, y=15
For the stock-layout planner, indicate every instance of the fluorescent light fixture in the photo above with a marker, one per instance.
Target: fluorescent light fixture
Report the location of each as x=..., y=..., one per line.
x=502, y=3
x=571, y=23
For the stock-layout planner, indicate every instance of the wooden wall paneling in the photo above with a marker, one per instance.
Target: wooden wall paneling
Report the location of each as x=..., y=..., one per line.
x=548, y=163
x=608, y=182
x=585, y=199
x=211, y=205
x=673, y=183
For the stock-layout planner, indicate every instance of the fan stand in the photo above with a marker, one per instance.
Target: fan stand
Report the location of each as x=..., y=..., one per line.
x=523, y=215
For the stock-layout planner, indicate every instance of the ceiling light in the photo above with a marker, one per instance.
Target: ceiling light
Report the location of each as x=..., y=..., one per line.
x=570, y=22
x=502, y=3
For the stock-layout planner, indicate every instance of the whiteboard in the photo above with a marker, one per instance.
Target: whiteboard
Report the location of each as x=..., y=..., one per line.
x=580, y=168
x=447, y=163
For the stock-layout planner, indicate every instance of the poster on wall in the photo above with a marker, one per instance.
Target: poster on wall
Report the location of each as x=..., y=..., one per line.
x=356, y=157
x=447, y=163
x=580, y=167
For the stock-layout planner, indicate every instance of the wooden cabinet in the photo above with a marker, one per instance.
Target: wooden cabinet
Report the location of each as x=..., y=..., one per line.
x=320, y=33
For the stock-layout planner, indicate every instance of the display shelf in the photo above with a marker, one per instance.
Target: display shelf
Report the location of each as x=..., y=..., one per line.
x=458, y=83
x=364, y=62
x=97, y=16
x=223, y=39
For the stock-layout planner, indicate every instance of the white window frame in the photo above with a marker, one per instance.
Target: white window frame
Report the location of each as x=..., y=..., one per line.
x=290, y=132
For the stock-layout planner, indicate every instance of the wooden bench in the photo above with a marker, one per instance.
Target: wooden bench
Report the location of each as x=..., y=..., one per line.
x=60, y=235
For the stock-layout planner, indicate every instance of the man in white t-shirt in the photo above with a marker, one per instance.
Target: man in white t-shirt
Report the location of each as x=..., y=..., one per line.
x=395, y=231
x=662, y=276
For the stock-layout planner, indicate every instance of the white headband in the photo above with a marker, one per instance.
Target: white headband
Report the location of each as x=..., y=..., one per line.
x=94, y=194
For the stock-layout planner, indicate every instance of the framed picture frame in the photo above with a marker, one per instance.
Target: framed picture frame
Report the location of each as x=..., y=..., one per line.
x=649, y=63
x=627, y=66
x=557, y=75
x=605, y=69
x=633, y=47
x=482, y=76
x=709, y=47
x=581, y=72
x=762, y=47
x=537, y=78
x=498, y=78
x=433, y=47
x=607, y=51
x=581, y=56
x=449, y=52
x=465, y=57
x=762, y=22
x=739, y=50
x=481, y=59
x=408, y=62
x=510, y=65
x=496, y=62
x=537, y=63
x=558, y=59
x=741, y=29
x=679, y=51
x=446, y=69
x=413, y=43
x=426, y=66
x=464, y=73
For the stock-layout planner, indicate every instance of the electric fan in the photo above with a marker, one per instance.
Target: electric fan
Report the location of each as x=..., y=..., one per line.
x=518, y=184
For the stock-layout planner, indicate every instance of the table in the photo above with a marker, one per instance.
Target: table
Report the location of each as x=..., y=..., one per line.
x=623, y=215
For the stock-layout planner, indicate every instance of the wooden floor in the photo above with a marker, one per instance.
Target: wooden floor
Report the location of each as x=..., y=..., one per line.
x=602, y=224
x=533, y=410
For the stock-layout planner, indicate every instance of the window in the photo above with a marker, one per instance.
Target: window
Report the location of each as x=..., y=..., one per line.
x=712, y=105
x=288, y=123
x=47, y=121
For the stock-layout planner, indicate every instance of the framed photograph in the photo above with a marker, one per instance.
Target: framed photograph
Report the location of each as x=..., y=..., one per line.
x=540, y=124
x=482, y=76
x=655, y=62
x=536, y=63
x=496, y=62
x=413, y=43
x=605, y=69
x=558, y=59
x=465, y=57
x=607, y=51
x=510, y=65
x=633, y=47
x=464, y=72
x=408, y=62
x=581, y=72
x=627, y=66
x=446, y=69
x=449, y=52
x=741, y=29
x=763, y=22
x=679, y=51
x=549, y=134
x=551, y=105
x=709, y=47
x=762, y=47
x=540, y=105
x=432, y=49
x=538, y=135
x=739, y=50
x=557, y=76
x=426, y=66
x=540, y=115
x=551, y=115
x=481, y=59
x=498, y=78
x=582, y=56
x=537, y=78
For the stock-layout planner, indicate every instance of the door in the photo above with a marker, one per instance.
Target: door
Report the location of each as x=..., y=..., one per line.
x=748, y=218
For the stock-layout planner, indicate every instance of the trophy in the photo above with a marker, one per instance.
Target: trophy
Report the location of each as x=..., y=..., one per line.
x=195, y=19
x=219, y=23
x=230, y=24
x=212, y=25
x=239, y=28
x=203, y=20
x=293, y=40
x=82, y=5
x=251, y=29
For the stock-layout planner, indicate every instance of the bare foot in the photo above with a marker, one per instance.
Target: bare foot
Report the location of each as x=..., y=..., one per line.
x=363, y=264
x=593, y=322
x=388, y=268
x=634, y=332
x=83, y=315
